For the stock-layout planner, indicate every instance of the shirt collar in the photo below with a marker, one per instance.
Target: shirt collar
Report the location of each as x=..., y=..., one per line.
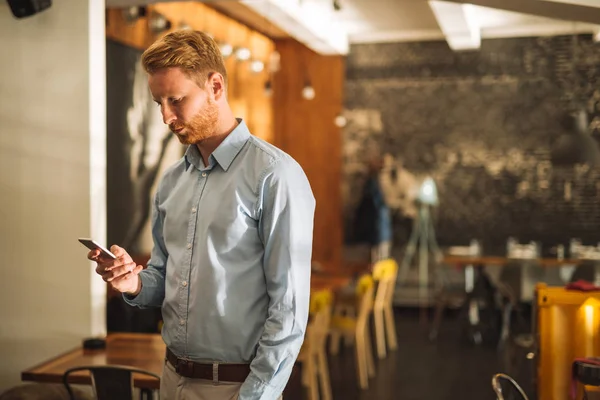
x=225, y=153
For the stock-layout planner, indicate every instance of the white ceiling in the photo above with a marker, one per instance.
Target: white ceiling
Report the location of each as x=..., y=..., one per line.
x=328, y=31
x=398, y=20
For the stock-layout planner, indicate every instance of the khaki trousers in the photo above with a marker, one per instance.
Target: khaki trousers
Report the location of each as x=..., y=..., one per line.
x=175, y=387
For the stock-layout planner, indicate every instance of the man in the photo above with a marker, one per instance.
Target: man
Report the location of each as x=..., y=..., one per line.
x=400, y=189
x=373, y=220
x=232, y=228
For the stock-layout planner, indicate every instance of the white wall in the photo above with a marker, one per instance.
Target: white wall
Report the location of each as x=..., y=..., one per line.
x=52, y=181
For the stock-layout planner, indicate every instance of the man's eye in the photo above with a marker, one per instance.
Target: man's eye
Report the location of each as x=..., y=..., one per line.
x=175, y=101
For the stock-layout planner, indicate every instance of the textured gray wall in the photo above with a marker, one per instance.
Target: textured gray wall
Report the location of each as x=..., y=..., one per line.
x=481, y=124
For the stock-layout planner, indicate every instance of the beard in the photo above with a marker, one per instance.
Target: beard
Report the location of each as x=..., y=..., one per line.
x=202, y=126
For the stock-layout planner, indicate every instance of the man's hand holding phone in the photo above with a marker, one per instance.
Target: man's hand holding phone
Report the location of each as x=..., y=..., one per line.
x=122, y=273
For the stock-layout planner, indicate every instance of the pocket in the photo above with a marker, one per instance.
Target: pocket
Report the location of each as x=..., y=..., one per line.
x=168, y=366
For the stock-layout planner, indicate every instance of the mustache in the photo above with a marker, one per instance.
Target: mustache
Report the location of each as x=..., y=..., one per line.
x=174, y=127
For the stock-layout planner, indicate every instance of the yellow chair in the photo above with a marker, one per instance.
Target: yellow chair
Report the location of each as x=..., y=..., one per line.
x=358, y=328
x=313, y=354
x=385, y=273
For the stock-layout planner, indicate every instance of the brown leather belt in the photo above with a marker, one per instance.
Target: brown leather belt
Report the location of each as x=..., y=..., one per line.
x=213, y=372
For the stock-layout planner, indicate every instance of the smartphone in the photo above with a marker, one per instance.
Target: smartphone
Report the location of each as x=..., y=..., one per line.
x=93, y=245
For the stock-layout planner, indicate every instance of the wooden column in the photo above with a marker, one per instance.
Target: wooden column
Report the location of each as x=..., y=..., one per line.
x=305, y=129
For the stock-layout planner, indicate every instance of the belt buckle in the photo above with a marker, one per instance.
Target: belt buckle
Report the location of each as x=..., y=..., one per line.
x=184, y=367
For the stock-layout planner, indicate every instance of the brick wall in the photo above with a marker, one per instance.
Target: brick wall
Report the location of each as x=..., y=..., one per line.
x=482, y=125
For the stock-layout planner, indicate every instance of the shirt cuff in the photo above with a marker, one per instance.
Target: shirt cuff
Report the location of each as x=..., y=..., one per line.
x=254, y=389
x=142, y=297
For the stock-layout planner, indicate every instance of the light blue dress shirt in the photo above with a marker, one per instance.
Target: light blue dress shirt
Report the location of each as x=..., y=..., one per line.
x=231, y=259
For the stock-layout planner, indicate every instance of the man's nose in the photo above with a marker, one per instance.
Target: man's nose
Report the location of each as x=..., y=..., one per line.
x=168, y=115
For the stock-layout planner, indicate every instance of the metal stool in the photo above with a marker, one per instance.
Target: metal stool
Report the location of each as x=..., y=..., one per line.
x=587, y=372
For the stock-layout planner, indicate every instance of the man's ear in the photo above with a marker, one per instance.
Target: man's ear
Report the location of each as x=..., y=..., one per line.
x=216, y=84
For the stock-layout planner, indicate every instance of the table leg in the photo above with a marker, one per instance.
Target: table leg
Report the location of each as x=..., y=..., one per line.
x=481, y=291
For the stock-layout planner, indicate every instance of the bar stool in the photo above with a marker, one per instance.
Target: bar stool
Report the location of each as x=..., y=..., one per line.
x=587, y=372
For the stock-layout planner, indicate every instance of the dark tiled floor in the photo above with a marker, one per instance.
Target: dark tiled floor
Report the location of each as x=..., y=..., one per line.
x=450, y=368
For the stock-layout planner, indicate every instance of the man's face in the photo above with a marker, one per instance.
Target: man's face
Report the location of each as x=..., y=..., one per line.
x=190, y=111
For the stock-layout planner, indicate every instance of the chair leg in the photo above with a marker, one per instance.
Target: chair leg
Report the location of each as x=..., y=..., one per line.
x=437, y=318
x=324, y=375
x=334, y=343
x=306, y=373
x=349, y=340
x=505, y=332
x=313, y=385
x=379, y=332
x=390, y=324
x=361, y=361
x=369, y=353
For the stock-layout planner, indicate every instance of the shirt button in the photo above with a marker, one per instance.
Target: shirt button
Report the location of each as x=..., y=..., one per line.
x=184, y=283
x=189, y=245
x=204, y=174
x=194, y=209
x=181, y=322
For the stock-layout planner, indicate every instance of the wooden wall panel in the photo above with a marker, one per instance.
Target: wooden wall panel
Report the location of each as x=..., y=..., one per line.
x=246, y=95
x=305, y=129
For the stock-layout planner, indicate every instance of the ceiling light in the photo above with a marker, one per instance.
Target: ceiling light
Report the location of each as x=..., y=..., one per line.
x=308, y=92
x=226, y=49
x=243, y=53
x=158, y=23
x=257, y=66
x=340, y=121
x=274, y=62
x=184, y=27
x=132, y=14
x=268, y=88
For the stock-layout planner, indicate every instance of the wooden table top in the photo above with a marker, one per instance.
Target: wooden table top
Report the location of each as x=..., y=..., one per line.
x=463, y=261
x=144, y=351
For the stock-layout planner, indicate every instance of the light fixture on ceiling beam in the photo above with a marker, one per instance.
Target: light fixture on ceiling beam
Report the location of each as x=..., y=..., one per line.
x=458, y=23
